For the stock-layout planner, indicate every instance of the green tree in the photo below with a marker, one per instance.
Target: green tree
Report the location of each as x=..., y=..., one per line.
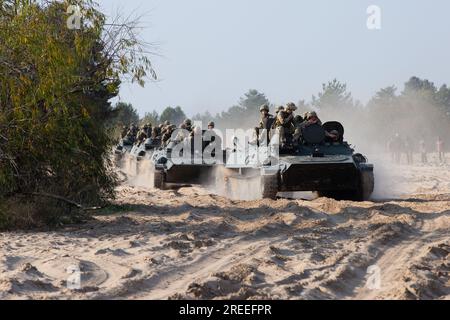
x=124, y=114
x=253, y=100
x=174, y=115
x=55, y=88
x=151, y=117
x=334, y=95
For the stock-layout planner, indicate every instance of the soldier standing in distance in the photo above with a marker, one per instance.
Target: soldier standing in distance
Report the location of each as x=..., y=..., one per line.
x=423, y=151
x=440, y=149
x=408, y=150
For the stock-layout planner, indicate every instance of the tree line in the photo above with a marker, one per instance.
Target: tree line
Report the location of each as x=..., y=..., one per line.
x=420, y=110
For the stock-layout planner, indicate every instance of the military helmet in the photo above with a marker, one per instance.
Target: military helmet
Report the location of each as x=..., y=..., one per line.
x=311, y=114
x=264, y=107
x=188, y=122
x=291, y=106
x=279, y=108
x=211, y=124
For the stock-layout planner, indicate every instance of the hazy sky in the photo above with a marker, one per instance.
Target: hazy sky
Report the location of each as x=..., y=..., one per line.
x=214, y=51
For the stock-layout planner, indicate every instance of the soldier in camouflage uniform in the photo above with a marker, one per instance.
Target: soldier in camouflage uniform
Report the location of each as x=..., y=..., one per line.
x=141, y=136
x=266, y=122
x=132, y=133
x=285, y=123
x=188, y=125
x=168, y=134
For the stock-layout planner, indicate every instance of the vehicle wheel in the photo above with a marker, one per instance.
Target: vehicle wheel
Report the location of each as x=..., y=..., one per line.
x=269, y=187
x=159, y=180
x=366, y=185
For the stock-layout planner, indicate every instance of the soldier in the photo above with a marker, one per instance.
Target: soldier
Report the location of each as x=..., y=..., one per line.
x=285, y=123
x=141, y=136
x=298, y=120
x=188, y=125
x=423, y=151
x=278, y=109
x=312, y=118
x=132, y=133
x=408, y=151
x=266, y=118
x=148, y=129
x=211, y=125
x=440, y=149
x=396, y=147
x=156, y=132
x=168, y=134
x=266, y=122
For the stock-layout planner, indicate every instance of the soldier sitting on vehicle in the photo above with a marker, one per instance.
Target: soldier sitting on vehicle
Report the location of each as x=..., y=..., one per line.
x=141, y=136
x=188, y=125
x=132, y=134
x=266, y=123
x=148, y=129
x=298, y=120
x=278, y=109
x=167, y=135
x=285, y=124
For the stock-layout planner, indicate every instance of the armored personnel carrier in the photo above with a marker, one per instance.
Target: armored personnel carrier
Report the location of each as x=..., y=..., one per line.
x=173, y=168
x=330, y=167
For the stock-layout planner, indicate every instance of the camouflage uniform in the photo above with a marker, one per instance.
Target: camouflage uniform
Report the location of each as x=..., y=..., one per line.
x=285, y=123
x=141, y=136
x=168, y=134
x=267, y=119
x=188, y=125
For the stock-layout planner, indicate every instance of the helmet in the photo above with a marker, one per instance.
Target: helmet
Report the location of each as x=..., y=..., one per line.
x=211, y=124
x=311, y=114
x=291, y=106
x=264, y=107
x=279, y=108
x=188, y=122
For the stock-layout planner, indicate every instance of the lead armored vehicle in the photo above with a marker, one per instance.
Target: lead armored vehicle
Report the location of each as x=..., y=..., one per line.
x=316, y=163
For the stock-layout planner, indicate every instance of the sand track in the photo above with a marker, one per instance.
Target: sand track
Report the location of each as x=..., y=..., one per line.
x=192, y=244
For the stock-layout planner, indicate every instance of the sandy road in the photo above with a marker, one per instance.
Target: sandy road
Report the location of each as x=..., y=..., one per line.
x=193, y=244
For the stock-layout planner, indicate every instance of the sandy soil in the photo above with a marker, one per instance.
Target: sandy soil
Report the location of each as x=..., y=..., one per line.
x=192, y=244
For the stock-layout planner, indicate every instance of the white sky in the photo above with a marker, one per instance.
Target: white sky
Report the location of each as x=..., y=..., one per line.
x=213, y=51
